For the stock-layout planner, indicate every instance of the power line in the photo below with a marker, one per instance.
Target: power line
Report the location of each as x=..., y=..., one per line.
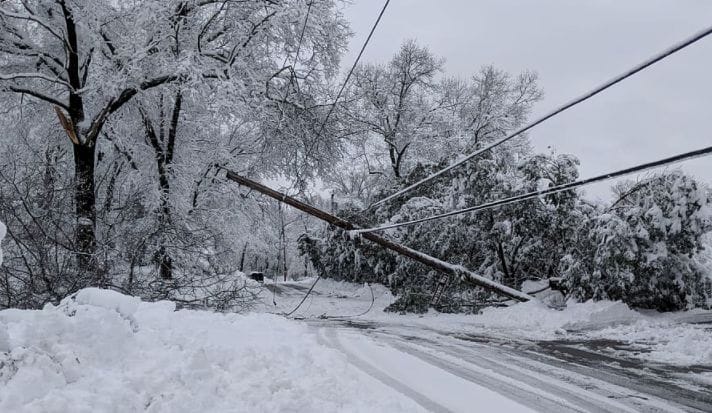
x=301, y=38
x=331, y=109
x=304, y=29
x=360, y=53
x=294, y=310
x=658, y=57
x=556, y=189
x=343, y=86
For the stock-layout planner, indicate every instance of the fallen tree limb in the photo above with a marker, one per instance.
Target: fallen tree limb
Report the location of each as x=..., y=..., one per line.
x=454, y=270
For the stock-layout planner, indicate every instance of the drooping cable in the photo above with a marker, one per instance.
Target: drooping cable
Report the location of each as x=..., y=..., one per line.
x=553, y=190
x=353, y=67
x=638, y=68
x=331, y=109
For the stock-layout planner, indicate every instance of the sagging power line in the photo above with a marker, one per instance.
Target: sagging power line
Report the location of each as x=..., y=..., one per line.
x=304, y=29
x=638, y=68
x=553, y=190
x=331, y=110
x=353, y=67
x=322, y=126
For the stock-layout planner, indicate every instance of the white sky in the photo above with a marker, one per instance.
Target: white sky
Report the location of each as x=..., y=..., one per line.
x=574, y=45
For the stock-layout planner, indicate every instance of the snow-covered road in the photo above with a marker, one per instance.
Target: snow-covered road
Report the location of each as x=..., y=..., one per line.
x=460, y=373
x=457, y=363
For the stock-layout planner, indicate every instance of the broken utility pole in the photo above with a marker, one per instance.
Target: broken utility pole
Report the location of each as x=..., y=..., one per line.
x=432, y=262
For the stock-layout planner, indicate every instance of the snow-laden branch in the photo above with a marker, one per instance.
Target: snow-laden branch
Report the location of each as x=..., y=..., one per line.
x=124, y=97
x=34, y=19
x=40, y=76
x=40, y=96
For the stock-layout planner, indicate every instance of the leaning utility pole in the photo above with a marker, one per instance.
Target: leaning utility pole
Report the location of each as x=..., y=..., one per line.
x=432, y=262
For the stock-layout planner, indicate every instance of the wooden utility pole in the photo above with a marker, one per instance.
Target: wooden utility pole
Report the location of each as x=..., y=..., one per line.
x=432, y=262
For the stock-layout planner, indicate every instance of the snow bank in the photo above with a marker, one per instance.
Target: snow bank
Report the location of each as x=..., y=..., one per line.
x=679, y=344
x=102, y=351
x=533, y=316
x=660, y=337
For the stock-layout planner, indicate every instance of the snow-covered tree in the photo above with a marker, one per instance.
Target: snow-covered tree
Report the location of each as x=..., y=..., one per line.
x=156, y=97
x=91, y=59
x=642, y=249
x=394, y=105
x=407, y=112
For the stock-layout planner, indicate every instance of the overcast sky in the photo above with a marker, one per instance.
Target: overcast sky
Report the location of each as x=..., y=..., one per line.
x=574, y=45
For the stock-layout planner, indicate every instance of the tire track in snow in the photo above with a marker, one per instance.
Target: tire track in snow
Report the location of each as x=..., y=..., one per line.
x=640, y=387
x=598, y=387
x=538, y=398
x=592, y=395
x=328, y=337
x=648, y=379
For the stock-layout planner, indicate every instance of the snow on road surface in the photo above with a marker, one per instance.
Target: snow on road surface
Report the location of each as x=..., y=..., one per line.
x=434, y=388
x=520, y=372
x=578, y=359
x=680, y=338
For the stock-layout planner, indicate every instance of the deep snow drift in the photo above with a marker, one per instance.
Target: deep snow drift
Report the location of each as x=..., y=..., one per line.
x=103, y=351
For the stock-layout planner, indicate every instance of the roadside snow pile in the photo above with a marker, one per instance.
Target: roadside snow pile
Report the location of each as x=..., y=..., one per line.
x=660, y=337
x=535, y=317
x=682, y=344
x=102, y=351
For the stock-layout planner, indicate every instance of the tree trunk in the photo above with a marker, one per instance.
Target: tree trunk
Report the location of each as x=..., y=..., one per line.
x=85, y=204
x=395, y=165
x=165, y=263
x=503, y=260
x=242, y=258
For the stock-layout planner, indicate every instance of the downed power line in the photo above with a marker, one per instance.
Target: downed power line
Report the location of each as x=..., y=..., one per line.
x=454, y=270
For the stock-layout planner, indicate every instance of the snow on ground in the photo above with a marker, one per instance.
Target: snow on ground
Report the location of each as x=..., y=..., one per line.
x=331, y=298
x=102, y=351
x=443, y=389
x=673, y=338
x=664, y=338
